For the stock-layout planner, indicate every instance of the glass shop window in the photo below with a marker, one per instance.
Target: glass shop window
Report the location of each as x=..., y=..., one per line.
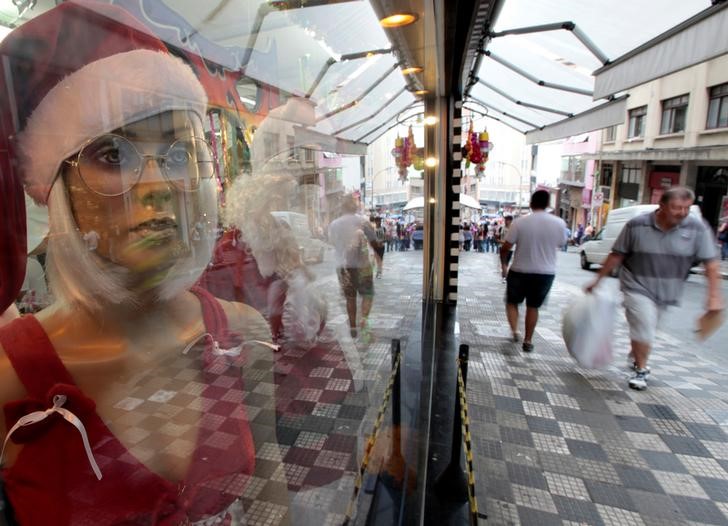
x=188, y=233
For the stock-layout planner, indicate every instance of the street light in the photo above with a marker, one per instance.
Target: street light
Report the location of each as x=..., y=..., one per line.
x=373, y=178
x=520, y=182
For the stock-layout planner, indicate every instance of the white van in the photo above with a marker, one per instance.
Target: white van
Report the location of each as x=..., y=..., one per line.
x=598, y=248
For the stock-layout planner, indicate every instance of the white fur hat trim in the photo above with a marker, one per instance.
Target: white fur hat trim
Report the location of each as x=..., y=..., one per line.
x=99, y=98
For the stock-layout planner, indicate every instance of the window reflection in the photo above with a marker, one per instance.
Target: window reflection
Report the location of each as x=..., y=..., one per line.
x=196, y=333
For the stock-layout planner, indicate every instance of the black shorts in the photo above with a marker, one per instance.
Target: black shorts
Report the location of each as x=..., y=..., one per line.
x=353, y=280
x=532, y=287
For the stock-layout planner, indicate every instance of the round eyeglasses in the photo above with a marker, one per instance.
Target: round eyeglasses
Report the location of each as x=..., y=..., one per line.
x=110, y=165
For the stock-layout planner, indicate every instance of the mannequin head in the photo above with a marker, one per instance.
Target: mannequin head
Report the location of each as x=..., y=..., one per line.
x=105, y=119
x=137, y=245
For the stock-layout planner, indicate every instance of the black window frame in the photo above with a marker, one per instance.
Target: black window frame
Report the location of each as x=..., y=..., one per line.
x=718, y=99
x=636, y=117
x=610, y=133
x=674, y=114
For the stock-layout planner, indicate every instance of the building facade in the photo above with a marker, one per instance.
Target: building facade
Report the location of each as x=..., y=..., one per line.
x=675, y=132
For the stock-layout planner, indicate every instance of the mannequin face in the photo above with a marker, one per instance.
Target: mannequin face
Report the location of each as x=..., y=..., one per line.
x=147, y=228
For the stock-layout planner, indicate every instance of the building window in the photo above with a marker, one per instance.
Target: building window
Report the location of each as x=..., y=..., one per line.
x=572, y=168
x=631, y=174
x=674, y=111
x=718, y=107
x=606, y=178
x=610, y=134
x=637, y=122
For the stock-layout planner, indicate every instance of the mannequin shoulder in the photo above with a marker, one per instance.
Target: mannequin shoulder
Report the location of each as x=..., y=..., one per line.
x=245, y=319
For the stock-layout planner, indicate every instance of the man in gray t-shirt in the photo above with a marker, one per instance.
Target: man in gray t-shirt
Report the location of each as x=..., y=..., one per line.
x=656, y=251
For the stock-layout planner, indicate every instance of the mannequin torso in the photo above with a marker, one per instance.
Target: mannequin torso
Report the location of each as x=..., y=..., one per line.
x=114, y=357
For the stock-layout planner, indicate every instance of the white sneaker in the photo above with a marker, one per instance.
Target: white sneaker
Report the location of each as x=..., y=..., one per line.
x=633, y=365
x=639, y=379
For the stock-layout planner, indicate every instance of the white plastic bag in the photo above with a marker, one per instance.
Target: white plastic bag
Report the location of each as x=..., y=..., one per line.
x=588, y=327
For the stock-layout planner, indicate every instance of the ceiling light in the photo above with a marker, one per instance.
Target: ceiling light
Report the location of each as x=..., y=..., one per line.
x=398, y=20
x=411, y=69
x=431, y=162
x=430, y=120
x=421, y=92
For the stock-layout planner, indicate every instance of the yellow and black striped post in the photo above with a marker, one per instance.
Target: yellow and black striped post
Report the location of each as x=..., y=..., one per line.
x=396, y=363
x=465, y=423
x=454, y=484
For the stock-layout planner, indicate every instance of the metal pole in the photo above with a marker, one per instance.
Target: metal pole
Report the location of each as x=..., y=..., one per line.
x=452, y=484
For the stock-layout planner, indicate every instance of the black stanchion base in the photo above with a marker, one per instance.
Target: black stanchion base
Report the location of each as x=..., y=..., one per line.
x=452, y=484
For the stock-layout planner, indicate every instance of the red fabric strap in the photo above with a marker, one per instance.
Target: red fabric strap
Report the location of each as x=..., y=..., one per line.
x=33, y=357
x=214, y=317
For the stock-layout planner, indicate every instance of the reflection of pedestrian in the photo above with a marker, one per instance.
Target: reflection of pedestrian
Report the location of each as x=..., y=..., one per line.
x=537, y=237
x=656, y=251
x=350, y=234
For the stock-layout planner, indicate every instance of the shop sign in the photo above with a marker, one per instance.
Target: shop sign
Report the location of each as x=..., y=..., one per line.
x=597, y=199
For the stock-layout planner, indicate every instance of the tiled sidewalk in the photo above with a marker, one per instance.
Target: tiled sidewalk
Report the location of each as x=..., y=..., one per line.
x=558, y=444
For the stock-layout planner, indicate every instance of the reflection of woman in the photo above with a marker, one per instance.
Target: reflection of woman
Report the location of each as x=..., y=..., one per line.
x=113, y=415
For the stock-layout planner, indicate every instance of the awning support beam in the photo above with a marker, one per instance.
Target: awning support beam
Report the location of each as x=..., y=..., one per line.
x=361, y=121
x=397, y=123
x=489, y=116
x=351, y=56
x=491, y=108
x=568, y=26
x=525, y=104
x=535, y=80
x=359, y=99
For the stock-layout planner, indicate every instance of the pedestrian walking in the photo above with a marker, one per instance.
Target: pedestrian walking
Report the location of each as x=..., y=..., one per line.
x=467, y=237
x=536, y=237
x=723, y=238
x=656, y=252
x=502, y=233
x=492, y=233
x=379, y=248
x=351, y=234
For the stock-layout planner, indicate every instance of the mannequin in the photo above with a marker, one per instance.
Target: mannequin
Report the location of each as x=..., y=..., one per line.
x=148, y=372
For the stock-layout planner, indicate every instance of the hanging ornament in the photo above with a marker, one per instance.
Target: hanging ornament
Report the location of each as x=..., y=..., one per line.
x=476, y=148
x=404, y=153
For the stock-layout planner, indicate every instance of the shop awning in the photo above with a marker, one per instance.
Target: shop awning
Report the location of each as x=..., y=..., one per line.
x=537, y=68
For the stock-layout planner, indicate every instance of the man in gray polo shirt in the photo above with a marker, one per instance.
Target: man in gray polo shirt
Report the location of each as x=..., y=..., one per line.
x=656, y=251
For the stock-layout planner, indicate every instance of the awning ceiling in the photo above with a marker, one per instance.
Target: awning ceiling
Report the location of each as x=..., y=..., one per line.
x=527, y=46
x=331, y=52
x=335, y=53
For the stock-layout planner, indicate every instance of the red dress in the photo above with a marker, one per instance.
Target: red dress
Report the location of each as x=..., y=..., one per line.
x=52, y=481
